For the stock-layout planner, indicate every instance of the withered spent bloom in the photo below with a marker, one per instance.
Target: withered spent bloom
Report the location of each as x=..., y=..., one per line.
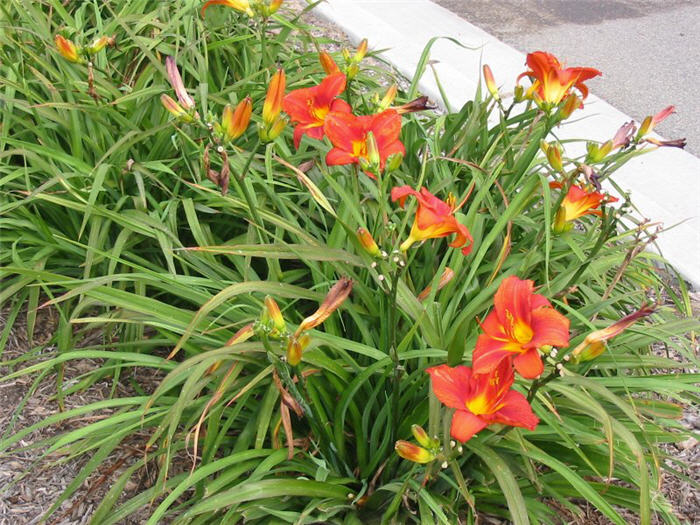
x=594, y=343
x=336, y=296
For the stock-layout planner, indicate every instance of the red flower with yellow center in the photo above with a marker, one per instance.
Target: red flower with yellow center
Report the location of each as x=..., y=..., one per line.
x=577, y=203
x=308, y=107
x=551, y=82
x=348, y=134
x=434, y=218
x=519, y=324
x=481, y=400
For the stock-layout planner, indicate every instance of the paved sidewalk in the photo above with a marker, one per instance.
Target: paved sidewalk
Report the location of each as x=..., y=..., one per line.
x=648, y=50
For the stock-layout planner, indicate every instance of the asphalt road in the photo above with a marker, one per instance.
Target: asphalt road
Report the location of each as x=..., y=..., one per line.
x=648, y=50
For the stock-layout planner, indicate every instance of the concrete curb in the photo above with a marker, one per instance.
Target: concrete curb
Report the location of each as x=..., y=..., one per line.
x=664, y=184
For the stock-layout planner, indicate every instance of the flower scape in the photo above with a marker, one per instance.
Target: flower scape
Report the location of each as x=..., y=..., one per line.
x=352, y=308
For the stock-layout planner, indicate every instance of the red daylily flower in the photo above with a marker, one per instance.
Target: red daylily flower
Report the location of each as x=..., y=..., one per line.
x=308, y=107
x=348, y=134
x=551, y=82
x=481, y=400
x=434, y=218
x=577, y=203
x=520, y=323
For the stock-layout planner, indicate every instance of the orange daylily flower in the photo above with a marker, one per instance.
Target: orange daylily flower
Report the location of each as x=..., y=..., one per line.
x=594, y=343
x=349, y=134
x=309, y=107
x=577, y=203
x=67, y=49
x=434, y=219
x=239, y=5
x=481, y=400
x=551, y=82
x=520, y=323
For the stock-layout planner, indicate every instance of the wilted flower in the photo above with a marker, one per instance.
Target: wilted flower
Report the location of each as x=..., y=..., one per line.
x=67, y=49
x=520, y=323
x=551, y=82
x=308, y=107
x=481, y=400
x=186, y=101
x=594, y=343
x=434, y=219
x=335, y=297
x=418, y=104
x=447, y=275
x=349, y=133
x=624, y=135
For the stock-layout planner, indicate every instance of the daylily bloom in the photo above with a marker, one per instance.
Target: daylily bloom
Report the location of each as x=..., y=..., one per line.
x=434, y=219
x=594, y=343
x=239, y=5
x=308, y=107
x=577, y=203
x=481, y=400
x=412, y=452
x=186, y=101
x=551, y=82
x=520, y=323
x=235, y=122
x=327, y=63
x=67, y=49
x=490, y=82
x=349, y=134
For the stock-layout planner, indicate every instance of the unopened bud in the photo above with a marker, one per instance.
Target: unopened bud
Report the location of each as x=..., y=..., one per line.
x=490, y=82
x=423, y=438
x=388, y=98
x=393, y=162
x=296, y=347
x=235, y=122
x=67, y=49
x=100, y=43
x=352, y=71
x=273, y=100
x=571, y=104
x=361, y=51
x=273, y=311
x=411, y=452
x=327, y=63
x=368, y=242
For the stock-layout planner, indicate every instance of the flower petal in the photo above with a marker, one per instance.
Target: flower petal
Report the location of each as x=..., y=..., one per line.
x=399, y=193
x=337, y=156
x=516, y=412
x=465, y=425
x=513, y=302
x=451, y=385
x=489, y=352
x=529, y=364
x=549, y=327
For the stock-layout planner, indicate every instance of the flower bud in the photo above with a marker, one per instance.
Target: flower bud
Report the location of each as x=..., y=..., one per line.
x=67, y=49
x=553, y=152
x=413, y=452
x=175, y=109
x=388, y=98
x=596, y=153
x=372, y=150
x=296, y=347
x=352, y=71
x=651, y=122
x=239, y=5
x=393, y=162
x=274, y=314
x=100, y=43
x=235, y=122
x=490, y=82
x=327, y=63
x=361, y=51
x=571, y=104
x=519, y=93
x=368, y=242
x=273, y=100
x=423, y=438
x=268, y=134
